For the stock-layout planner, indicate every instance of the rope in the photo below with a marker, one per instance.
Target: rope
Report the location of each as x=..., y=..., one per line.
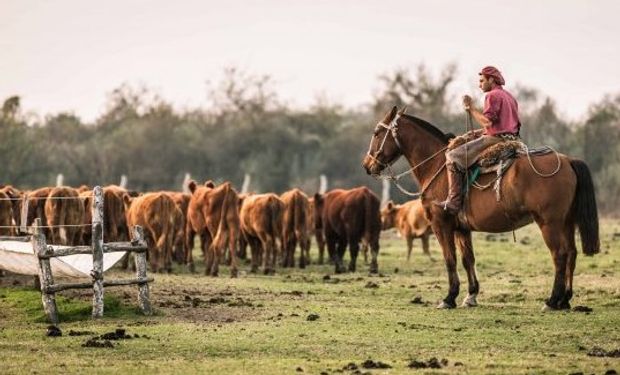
x=529, y=159
x=37, y=198
x=47, y=226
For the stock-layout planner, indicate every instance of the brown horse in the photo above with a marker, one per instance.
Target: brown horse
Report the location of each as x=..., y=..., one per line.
x=557, y=203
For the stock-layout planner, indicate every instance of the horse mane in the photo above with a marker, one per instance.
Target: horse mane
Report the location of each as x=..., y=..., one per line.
x=430, y=128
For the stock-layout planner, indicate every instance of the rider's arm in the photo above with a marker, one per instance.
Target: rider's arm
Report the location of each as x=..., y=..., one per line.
x=480, y=118
x=491, y=110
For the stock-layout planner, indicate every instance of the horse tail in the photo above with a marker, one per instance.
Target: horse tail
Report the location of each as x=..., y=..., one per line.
x=584, y=208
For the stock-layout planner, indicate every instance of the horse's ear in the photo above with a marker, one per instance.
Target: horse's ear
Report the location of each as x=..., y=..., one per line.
x=402, y=111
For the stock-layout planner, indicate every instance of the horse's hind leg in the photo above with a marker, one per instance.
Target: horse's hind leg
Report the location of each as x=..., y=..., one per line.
x=464, y=243
x=553, y=235
x=569, y=233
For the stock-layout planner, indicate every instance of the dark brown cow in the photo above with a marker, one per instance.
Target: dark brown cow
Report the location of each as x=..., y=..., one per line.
x=15, y=197
x=6, y=215
x=180, y=245
x=410, y=221
x=315, y=229
x=86, y=197
x=261, y=225
x=347, y=217
x=36, y=207
x=213, y=214
x=295, y=227
x=156, y=213
x=64, y=212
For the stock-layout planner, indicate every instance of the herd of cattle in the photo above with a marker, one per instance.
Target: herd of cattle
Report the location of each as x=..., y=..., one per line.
x=226, y=222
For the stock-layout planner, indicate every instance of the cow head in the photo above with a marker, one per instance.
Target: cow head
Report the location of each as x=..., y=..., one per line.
x=388, y=216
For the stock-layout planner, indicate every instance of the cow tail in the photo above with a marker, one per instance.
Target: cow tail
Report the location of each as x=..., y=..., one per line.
x=299, y=218
x=276, y=221
x=219, y=242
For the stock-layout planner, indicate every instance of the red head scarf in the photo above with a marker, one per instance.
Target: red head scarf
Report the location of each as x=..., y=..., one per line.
x=492, y=71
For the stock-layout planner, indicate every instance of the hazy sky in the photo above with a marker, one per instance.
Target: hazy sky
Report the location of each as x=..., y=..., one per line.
x=67, y=55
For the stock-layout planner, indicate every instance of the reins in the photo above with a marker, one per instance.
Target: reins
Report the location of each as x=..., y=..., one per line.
x=392, y=128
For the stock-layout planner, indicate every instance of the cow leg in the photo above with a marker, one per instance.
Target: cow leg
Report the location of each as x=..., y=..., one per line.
x=409, y=239
x=189, y=248
x=232, y=251
x=255, y=250
x=425, y=245
x=374, y=255
x=339, y=255
x=207, y=254
x=320, y=243
x=463, y=241
x=303, y=252
x=216, y=254
x=354, y=248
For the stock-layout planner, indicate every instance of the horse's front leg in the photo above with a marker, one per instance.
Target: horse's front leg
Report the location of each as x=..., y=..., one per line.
x=444, y=232
x=464, y=243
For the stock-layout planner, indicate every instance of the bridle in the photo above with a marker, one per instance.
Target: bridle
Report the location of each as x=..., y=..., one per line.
x=392, y=128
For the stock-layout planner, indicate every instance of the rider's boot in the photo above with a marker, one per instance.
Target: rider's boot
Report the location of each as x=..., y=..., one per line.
x=453, y=202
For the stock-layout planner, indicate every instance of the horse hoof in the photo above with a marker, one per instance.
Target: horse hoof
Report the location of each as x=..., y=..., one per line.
x=444, y=306
x=547, y=308
x=470, y=301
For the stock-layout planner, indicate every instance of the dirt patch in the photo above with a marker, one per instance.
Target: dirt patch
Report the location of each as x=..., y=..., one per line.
x=431, y=363
x=584, y=309
x=370, y=364
x=313, y=317
x=600, y=352
x=94, y=342
x=80, y=333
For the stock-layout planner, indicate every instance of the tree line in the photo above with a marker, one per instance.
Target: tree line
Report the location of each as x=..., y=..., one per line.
x=247, y=128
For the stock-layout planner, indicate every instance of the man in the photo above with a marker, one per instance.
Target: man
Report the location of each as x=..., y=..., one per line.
x=499, y=120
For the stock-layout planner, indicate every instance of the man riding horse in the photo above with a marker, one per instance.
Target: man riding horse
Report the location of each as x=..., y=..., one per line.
x=499, y=120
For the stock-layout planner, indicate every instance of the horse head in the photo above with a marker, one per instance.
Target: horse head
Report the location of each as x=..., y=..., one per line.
x=384, y=147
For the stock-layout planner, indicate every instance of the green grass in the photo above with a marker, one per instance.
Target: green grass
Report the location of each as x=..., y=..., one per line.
x=258, y=324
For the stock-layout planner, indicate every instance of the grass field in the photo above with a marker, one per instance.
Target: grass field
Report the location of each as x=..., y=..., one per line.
x=312, y=321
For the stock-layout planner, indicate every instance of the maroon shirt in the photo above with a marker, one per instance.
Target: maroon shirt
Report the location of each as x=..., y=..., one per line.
x=502, y=110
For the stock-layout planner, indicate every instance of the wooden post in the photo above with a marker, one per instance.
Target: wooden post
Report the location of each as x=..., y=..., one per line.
x=97, y=243
x=140, y=259
x=45, y=272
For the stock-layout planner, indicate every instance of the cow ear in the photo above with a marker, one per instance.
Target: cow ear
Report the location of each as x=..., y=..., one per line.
x=390, y=205
x=191, y=186
x=210, y=184
x=127, y=199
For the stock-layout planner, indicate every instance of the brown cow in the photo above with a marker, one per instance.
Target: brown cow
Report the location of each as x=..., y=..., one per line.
x=15, y=197
x=6, y=215
x=347, y=217
x=87, y=231
x=213, y=214
x=261, y=225
x=295, y=227
x=410, y=221
x=36, y=207
x=180, y=245
x=315, y=228
x=64, y=212
x=156, y=213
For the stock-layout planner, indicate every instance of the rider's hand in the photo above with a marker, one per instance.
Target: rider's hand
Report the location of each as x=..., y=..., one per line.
x=467, y=102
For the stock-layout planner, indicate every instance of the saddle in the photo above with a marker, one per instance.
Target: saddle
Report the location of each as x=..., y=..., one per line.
x=497, y=159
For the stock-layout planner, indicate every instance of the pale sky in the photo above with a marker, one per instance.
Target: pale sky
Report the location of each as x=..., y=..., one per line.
x=68, y=55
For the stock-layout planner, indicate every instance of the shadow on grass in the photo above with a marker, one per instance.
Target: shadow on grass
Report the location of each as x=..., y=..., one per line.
x=26, y=302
